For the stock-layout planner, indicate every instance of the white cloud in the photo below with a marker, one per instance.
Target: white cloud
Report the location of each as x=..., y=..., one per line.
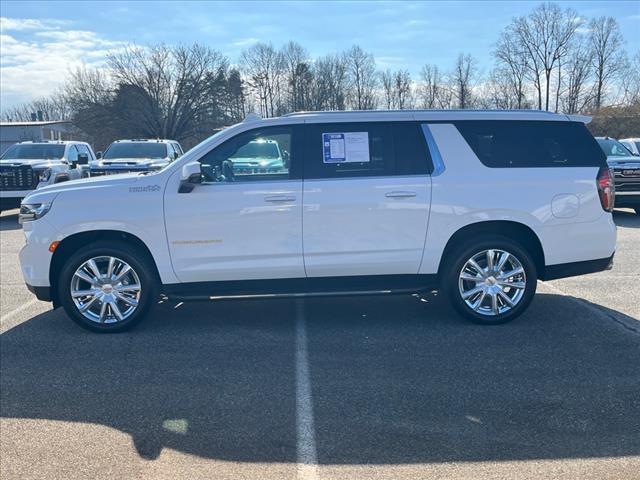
x=245, y=42
x=37, y=64
x=20, y=24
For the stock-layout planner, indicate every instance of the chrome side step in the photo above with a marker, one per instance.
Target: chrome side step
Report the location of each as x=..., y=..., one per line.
x=266, y=296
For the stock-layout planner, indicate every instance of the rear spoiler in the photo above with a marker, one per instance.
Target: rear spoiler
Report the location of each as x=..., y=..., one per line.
x=580, y=118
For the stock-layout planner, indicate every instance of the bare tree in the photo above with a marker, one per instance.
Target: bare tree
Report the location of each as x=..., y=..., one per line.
x=631, y=81
x=299, y=76
x=54, y=107
x=462, y=79
x=544, y=36
x=363, y=81
x=264, y=68
x=577, y=77
x=608, y=58
x=513, y=68
x=432, y=91
x=330, y=86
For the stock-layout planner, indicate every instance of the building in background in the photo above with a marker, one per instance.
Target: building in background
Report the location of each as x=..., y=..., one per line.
x=36, y=131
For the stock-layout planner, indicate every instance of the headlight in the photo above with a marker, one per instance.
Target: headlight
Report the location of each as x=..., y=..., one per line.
x=33, y=211
x=44, y=175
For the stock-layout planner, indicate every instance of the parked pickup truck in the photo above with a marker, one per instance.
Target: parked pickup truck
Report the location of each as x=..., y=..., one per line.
x=139, y=155
x=626, y=170
x=26, y=166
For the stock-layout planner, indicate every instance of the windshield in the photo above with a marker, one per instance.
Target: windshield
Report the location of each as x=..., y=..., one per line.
x=40, y=151
x=257, y=150
x=135, y=150
x=613, y=148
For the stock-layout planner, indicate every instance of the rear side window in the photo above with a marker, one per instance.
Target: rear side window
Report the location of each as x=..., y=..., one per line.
x=337, y=150
x=525, y=144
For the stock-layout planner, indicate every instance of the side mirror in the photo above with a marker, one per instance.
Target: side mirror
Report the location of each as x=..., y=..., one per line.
x=191, y=176
x=99, y=154
x=83, y=159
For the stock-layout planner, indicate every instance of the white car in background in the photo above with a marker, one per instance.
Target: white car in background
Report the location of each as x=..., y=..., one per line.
x=480, y=204
x=136, y=155
x=633, y=144
x=26, y=166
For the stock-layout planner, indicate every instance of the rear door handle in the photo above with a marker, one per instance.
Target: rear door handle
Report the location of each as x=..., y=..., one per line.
x=280, y=198
x=400, y=194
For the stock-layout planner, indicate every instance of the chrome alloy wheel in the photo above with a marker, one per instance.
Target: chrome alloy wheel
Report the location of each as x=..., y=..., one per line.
x=492, y=282
x=105, y=289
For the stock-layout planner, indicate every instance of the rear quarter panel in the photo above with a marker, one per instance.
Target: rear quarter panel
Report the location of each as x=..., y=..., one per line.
x=561, y=205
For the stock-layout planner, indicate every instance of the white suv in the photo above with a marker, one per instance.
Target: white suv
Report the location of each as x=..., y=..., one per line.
x=26, y=166
x=480, y=204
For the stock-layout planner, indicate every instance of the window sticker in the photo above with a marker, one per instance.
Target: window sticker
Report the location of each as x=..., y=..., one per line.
x=348, y=147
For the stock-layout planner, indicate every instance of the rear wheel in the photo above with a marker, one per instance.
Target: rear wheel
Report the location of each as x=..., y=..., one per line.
x=107, y=288
x=491, y=280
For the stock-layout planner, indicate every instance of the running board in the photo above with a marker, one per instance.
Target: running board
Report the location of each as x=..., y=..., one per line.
x=266, y=296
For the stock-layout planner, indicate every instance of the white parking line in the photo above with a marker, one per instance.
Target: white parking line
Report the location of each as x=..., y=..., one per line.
x=306, y=436
x=16, y=311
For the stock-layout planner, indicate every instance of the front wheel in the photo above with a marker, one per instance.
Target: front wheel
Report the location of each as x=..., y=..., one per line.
x=490, y=281
x=107, y=288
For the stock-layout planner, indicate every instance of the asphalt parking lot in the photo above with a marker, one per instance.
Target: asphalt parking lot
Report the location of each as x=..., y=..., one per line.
x=362, y=387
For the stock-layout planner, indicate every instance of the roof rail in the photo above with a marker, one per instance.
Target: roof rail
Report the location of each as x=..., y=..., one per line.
x=251, y=117
x=450, y=110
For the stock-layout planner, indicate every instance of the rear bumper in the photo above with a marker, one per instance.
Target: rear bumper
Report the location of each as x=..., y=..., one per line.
x=564, y=270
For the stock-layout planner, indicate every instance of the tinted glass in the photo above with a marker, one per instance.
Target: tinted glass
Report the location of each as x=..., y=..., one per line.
x=613, y=148
x=257, y=155
x=524, y=144
x=412, y=156
x=34, y=152
x=136, y=150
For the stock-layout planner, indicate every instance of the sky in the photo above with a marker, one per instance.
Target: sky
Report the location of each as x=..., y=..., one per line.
x=41, y=42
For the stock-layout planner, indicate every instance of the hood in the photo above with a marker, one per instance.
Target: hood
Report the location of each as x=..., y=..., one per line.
x=48, y=193
x=629, y=161
x=127, y=162
x=34, y=163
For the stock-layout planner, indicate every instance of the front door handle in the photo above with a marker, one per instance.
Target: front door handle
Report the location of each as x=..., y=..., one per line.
x=280, y=198
x=400, y=194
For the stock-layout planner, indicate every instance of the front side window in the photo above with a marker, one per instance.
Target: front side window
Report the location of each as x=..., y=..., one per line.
x=37, y=151
x=135, y=150
x=73, y=154
x=530, y=144
x=256, y=155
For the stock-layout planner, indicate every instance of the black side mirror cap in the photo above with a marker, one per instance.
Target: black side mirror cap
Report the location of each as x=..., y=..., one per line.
x=99, y=154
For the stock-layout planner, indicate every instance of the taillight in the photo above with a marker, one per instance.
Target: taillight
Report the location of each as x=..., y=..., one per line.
x=606, y=188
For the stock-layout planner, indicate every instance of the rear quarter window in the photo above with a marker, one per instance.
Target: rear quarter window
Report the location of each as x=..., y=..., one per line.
x=526, y=144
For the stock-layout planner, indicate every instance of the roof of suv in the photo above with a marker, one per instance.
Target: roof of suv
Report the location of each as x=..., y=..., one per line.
x=420, y=115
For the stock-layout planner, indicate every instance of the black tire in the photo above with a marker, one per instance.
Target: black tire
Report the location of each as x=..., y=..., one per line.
x=458, y=257
x=137, y=260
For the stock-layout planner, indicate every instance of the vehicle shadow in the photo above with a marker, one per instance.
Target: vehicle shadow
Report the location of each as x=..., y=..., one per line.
x=9, y=222
x=626, y=218
x=394, y=380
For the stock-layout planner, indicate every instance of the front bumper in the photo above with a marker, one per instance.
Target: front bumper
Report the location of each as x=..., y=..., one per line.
x=627, y=199
x=42, y=293
x=14, y=193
